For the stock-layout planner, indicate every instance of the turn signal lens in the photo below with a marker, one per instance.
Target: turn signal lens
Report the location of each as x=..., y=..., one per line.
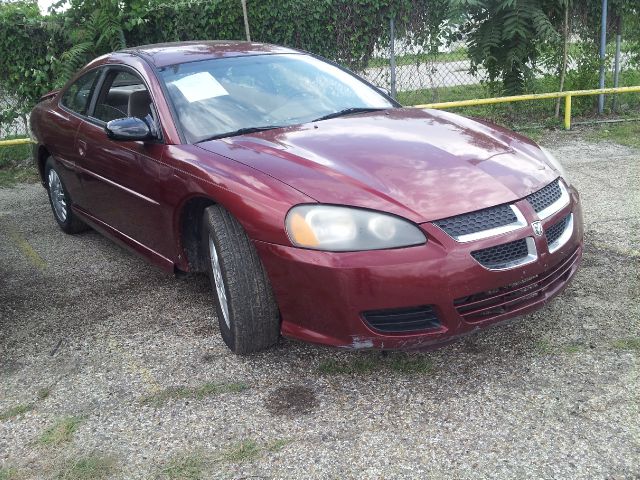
x=301, y=232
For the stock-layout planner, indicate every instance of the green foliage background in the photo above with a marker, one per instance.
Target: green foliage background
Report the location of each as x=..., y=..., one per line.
x=507, y=38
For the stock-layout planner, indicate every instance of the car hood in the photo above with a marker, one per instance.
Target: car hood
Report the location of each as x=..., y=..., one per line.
x=420, y=164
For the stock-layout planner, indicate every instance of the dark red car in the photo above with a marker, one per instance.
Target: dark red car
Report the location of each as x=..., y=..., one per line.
x=320, y=208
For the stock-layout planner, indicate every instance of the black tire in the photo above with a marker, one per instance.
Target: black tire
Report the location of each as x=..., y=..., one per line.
x=69, y=223
x=252, y=313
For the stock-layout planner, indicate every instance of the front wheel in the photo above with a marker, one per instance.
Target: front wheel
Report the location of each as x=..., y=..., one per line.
x=60, y=201
x=246, y=308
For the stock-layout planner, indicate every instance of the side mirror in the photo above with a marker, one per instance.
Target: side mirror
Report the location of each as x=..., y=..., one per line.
x=386, y=91
x=128, y=129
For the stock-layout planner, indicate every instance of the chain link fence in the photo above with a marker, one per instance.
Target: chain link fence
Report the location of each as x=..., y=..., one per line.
x=414, y=74
x=14, y=120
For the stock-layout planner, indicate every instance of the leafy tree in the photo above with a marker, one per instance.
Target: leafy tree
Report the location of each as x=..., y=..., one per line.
x=504, y=36
x=91, y=28
x=28, y=55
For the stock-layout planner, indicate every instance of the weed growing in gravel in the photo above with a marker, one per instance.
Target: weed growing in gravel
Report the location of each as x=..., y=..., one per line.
x=14, y=412
x=277, y=445
x=400, y=363
x=188, y=467
x=8, y=473
x=623, y=134
x=407, y=364
x=353, y=366
x=60, y=432
x=43, y=393
x=242, y=452
x=543, y=347
x=573, y=348
x=91, y=467
x=632, y=344
x=198, y=393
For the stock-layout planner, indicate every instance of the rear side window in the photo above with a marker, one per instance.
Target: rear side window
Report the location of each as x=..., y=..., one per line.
x=77, y=96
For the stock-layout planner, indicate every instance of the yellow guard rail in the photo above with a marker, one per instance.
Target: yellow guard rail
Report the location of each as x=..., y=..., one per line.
x=15, y=141
x=538, y=96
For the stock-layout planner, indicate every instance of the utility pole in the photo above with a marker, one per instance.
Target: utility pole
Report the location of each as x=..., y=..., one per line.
x=246, y=19
x=603, y=52
x=392, y=55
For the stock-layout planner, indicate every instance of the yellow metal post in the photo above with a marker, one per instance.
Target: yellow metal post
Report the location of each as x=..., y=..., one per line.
x=567, y=112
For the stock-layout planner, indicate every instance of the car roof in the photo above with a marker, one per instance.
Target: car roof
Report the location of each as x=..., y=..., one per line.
x=164, y=54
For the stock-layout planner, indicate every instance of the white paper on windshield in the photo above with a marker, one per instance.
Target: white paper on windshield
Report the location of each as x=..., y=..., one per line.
x=200, y=86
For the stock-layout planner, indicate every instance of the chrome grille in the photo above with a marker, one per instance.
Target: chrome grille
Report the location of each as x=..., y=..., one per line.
x=507, y=255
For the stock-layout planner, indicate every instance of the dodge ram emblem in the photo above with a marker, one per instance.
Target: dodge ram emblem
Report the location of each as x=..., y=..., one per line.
x=537, y=228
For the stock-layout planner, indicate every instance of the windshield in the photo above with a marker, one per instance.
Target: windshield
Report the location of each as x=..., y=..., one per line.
x=222, y=96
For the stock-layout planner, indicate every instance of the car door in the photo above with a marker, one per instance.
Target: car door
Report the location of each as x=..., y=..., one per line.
x=123, y=180
x=67, y=118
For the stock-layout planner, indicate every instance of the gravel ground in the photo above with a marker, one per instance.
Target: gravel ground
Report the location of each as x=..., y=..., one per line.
x=125, y=362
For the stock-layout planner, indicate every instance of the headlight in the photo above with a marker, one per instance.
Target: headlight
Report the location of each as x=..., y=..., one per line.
x=557, y=166
x=343, y=229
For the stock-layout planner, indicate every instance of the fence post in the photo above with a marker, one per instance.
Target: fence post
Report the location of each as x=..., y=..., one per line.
x=616, y=71
x=567, y=112
x=603, y=52
x=246, y=19
x=392, y=56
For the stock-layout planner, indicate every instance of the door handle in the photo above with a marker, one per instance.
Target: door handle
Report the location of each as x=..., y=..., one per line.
x=82, y=148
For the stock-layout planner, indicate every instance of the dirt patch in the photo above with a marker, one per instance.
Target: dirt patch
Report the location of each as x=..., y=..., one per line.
x=292, y=400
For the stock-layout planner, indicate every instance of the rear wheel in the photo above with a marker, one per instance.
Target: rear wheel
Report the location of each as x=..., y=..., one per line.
x=60, y=201
x=245, y=305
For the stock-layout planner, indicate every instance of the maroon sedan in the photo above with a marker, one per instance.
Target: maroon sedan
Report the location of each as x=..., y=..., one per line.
x=320, y=208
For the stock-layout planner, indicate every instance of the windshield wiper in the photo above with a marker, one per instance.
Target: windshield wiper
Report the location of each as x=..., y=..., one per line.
x=348, y=111
x=242, y=131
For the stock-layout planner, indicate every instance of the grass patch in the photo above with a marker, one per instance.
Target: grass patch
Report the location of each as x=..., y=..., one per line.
x=364, y=364
x=180, y=393
x=188, y=467
x=43, y=393
x=14, y=412
x=91, y=467
x=8, y=473
x=241, y=452
x=15, y=174
x=573, y=348
x=628, y=344
x=277, y=445
x=352, y=366
x=627, y=133
x=409, y=364
x=543, y=347
x=15, y=165
x=12, y=154
x=60, y=432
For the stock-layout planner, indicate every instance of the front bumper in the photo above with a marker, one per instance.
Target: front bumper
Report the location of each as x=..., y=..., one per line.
x=322, y=295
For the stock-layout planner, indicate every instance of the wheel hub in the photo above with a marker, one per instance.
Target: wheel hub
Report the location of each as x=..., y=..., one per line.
x=58, y=199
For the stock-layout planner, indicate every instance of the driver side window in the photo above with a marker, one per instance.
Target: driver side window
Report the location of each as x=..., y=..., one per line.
x=123, y=95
